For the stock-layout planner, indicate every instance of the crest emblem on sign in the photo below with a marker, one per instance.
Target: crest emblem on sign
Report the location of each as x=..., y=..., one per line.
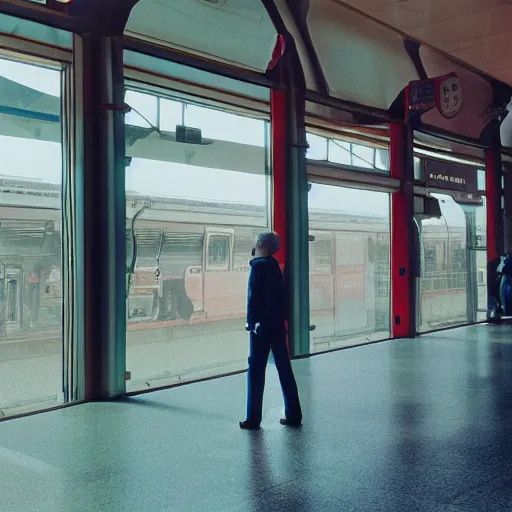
x=449, y=96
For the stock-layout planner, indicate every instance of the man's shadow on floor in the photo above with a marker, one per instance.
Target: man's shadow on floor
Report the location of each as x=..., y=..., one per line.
x=278, y=486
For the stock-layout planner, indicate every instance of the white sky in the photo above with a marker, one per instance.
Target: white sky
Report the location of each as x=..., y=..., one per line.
x=38, y=78
x=187, y=181
x=41, y=160
x=350, y=201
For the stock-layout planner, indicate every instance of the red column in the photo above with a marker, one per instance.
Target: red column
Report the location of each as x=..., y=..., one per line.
x=493, y=200
x=278, y=106
x=401, y=282
x=495, y=235
x=278, y=120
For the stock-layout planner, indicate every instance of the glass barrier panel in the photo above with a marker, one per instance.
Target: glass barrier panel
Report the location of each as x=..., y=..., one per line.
x=349, y=266
x=31, y=349
x=193, y=213
x=453, y=277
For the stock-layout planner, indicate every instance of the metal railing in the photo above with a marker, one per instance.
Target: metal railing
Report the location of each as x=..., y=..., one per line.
x=438, y=281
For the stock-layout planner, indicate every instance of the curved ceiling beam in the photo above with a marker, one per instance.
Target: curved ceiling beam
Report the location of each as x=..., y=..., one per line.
x=280, y=26
x=412, y=47
x=299, y=10
x=284, y=13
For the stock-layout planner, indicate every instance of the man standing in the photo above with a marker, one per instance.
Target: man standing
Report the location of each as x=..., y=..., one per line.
x=266, y=316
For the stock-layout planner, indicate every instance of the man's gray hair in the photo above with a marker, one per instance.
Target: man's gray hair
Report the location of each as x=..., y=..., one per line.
x=268, y=241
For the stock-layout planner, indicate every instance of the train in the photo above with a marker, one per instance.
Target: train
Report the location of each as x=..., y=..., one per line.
x=188, y=262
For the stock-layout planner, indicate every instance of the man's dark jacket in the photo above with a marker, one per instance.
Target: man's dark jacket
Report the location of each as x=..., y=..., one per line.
x=266, y=297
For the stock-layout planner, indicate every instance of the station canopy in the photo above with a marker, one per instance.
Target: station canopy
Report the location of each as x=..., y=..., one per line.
x=477, y=32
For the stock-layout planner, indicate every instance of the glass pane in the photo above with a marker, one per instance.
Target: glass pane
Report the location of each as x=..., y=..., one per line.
x=452, y=287
x=382, y=159
x=12, y=299
x=481, y=180
x=172, y=114
x=31, y=349
x=218, y=251
x=419, y=173
x=219, y=125
x=362, y=156
x=340, y=152
x=480, y=270
x=346, y=153
x=317, y=147
x=144, y=109
x=197, y=211
x=349, y=279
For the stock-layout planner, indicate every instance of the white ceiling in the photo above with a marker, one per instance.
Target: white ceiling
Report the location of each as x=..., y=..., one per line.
x=478, y=32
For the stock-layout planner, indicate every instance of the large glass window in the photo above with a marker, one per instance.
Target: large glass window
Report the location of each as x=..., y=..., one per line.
x=31, y=349
x=193, y=212
x=361, y=155
x=453, y=278
x=349, y=266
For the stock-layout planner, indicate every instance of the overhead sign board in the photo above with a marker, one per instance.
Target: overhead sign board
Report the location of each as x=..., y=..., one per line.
x=442, y=92
x=422, y=95
x=449, y=96
x=451, y=176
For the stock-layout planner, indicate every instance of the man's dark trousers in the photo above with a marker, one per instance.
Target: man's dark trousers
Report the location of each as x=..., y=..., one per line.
x=260, y=346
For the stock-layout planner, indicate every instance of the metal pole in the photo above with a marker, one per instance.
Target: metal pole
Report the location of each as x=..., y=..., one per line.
x=297, y=225
x=100, y=155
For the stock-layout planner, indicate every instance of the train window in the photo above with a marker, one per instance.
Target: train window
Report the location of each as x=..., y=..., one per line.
x=218, y=250
x=371, y=250
x=12, y=300
x=430, y=259
x=459, y=258
x=320, y=253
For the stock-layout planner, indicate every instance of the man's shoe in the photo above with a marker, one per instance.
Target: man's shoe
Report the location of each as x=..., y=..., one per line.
x=290, y=423
x=249, y=425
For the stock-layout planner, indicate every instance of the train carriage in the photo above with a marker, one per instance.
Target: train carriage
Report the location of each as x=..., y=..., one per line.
x=187, y=261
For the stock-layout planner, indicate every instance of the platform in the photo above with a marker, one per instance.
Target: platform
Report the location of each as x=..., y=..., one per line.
x=413, y=425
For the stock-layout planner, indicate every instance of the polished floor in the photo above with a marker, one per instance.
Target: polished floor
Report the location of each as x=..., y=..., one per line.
x=416, y=425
